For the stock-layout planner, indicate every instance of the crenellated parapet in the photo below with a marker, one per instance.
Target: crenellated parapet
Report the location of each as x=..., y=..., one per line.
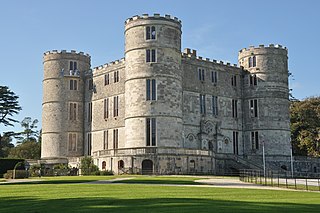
x=64, y=54
x=192, y=54
x=109, y=65
x=155, y=17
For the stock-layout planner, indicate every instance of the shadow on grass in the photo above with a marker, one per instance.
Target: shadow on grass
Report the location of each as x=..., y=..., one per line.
x=100, y=204
x=160, y=181
x=59, y=181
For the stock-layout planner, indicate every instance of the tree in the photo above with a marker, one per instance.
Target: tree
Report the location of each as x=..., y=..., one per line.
x=26, y=150
x=5, y=144
x=9, y=106
x=30, y=132
x=305, y=126
x=87, y=166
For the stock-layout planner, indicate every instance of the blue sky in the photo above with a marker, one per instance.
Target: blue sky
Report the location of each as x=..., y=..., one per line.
x=216, y=29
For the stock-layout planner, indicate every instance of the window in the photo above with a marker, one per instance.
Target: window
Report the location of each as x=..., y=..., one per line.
x=106, y=108
x=255, y=140
x=89, y=112
x=106, y=79
x=115, y=139
x=214, y=105
x=150, y=32
x=234, y=108
x=116, y=76
x=105, y=139
x=89, y=143
x=201, y=74
x=234, y=80
x=254, y=108
x=104, y=164
x=151, y=131
x=90, y=84
x=150, y=55
x=115, y=106
x=73, y=65
x=252, y=61
x=72, y=144
x=202, y=104
x=253, y=80
x=73, y=85
x=235, y=142
x=214, y=77
x=73, y=111
x=151, y=89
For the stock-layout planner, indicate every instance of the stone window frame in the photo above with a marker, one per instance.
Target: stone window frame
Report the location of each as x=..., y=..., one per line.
x=202, y=101
x=106, y=108
x=253, y=80
x=150, y=33
x=151, y=89
x=151, y=131
x=73, y=111
x=215, y=107
x=234, y=80
x=214, y=77
x=116, y=76
x=234, y=107
x=201, y=74
x=235, y=142
x=105, y=139
x=89, y=143
x=89, y=115
x=73, y=65
x=254, y=108
x=252, y=61
x=115, y=106
x=254, y=138
x=115, y=138
x=73, y=84
x=151, y=55
x=72, y=141
x=106, y=79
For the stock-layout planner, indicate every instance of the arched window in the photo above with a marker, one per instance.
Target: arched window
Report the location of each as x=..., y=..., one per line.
x=120, y=164
x=104, y=165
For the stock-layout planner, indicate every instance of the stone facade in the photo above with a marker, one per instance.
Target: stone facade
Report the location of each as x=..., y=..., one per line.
x=160, y=110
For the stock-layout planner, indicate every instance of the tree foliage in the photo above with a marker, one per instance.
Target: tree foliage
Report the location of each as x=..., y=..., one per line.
x=26, y=150
x=87, y=166
x=30, y=132
x=6, y=144
x=9, y=106
x=305, y=126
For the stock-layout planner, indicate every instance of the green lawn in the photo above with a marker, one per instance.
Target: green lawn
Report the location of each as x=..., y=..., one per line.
x=63, y=194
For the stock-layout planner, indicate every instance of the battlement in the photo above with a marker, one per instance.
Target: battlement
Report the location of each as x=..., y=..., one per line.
x=110, y=64
x=72, y=52
x=155, y=16
x=192, y=54
x=261, y=46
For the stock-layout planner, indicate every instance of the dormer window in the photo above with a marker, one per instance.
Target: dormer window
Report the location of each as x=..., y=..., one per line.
x=150, y=33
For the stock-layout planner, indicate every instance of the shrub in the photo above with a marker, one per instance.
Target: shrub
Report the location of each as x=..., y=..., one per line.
x=106, y=172
x=8, y=164
x=87, y=166
x=19, y=174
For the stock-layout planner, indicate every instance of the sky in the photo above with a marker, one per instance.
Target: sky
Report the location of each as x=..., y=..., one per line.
x=216, y=29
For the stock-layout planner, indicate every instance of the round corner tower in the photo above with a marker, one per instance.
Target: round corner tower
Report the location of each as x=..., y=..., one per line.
x=153, y=87
x=266, y=100
x=62, y=107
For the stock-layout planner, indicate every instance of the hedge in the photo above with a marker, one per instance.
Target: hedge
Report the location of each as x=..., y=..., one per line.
x=8, y=164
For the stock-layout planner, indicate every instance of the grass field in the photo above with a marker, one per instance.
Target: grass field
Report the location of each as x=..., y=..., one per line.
x=69, y=194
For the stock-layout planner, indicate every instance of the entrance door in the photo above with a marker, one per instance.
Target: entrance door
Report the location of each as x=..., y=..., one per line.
x=147, y=167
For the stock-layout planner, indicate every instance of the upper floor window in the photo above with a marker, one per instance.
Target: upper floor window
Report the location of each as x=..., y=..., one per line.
x=151, y=55
x=234, y=108
x=73, y=65
x=89, y=143
x=90, y=112
x=202, y=104
x=252, y=61
x=214, y=105
x=73, y=84
x=150, y=32
x=105, y=139
x=90, y=84
x=106, y=108
x=253, y=80
x=115, y=106
x=72, y=142
x=255, y=140
x=115, y=138
x=254, y=108
x=151, y=89
x=214, y=77
x=73, y=111
x=106, y=79
x=201, y=74
x=151, y=129
x=116, y=76
x=235, y=142
x=234, y=80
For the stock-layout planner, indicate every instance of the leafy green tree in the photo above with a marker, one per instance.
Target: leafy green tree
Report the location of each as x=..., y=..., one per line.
x=30, y=132
x=87, y=166
x=26, y=150
x=305, y=126
x=6, y=144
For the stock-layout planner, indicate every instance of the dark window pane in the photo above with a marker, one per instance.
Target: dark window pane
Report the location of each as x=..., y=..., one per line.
x=148, y=55
x=153, y=124
x=153, y=55
x=148, y=131
x=153, y=89
x=147, y=33
x=148, y=89
x=153, y=32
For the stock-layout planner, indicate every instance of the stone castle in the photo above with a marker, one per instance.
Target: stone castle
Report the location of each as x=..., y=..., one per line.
x=162, y=111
